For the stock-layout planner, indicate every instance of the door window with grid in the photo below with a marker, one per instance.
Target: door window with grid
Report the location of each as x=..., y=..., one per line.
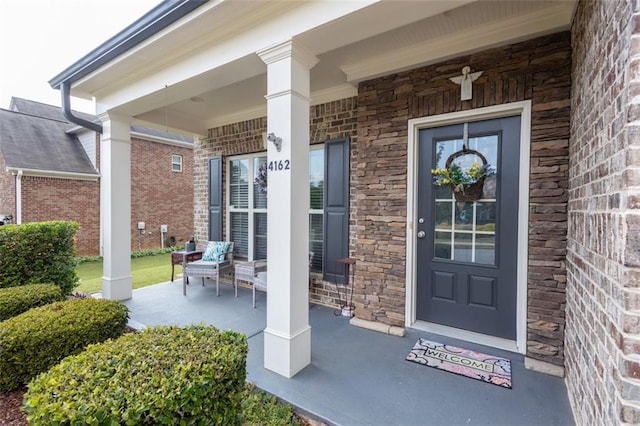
x=466, y=231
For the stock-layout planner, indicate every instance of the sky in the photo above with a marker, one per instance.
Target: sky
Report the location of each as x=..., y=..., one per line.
x=41, y=38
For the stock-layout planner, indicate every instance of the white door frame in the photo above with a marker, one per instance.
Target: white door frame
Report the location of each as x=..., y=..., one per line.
x=523, y=109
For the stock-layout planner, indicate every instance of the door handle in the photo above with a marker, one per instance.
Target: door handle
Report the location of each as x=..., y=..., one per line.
x=421, y=234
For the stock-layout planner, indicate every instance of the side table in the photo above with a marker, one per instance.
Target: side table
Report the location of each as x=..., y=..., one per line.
x=181, y=257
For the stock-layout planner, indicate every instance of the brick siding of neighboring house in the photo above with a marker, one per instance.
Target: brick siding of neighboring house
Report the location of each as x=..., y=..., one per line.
x=603, y=301
x=160, y=196
x=46, y=198
x=7, y=190
x=538, y=70
x=327, y=121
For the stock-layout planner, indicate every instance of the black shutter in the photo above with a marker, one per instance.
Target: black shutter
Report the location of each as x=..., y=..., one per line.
x=336, y=208
x=215, y=199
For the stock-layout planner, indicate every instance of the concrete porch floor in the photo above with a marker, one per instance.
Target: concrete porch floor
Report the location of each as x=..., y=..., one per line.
x=358, y=376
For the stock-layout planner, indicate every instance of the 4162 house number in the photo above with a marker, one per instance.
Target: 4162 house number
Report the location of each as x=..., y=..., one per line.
x=279, y=165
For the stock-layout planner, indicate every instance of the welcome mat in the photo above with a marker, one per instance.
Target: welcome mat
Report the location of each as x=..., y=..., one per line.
x=488, y=368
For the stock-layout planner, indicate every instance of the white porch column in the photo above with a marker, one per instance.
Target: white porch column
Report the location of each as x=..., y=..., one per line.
x=115, y=206
x=287, y=337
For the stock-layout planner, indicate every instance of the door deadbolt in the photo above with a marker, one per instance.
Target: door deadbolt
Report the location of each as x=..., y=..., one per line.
x=421, y=234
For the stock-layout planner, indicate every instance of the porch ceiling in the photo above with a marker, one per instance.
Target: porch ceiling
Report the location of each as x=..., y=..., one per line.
x=211, y=75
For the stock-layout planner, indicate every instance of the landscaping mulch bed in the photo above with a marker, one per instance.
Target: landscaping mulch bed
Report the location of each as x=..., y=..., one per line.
x=10, y=413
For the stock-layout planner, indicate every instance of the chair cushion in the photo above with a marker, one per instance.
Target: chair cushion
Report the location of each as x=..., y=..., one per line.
x=207, y=264
x=216, y=251
x=204, y=267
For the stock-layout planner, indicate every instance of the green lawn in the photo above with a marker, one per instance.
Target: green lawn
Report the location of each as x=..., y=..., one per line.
x=145, y=270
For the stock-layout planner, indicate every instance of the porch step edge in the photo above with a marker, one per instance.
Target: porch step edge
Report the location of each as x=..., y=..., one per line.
x=543, y=367
x=378, y=326
x=136, y=325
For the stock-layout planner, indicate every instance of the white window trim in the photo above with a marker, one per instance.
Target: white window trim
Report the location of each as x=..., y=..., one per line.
x=179, y=163
x=250, y=210
x=318, y=211
x=523, y=109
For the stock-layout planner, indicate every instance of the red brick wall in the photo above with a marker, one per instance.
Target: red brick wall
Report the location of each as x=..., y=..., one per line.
x=331, y=120
x=233, y=139
x=539, y=70
x=45, y=198
x=7, y=190
x=603, y=260
x=160, y=196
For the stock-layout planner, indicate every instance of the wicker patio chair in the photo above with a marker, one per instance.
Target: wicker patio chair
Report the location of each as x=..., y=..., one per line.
x=259, y=277
x=209, y=268
x=247, y=272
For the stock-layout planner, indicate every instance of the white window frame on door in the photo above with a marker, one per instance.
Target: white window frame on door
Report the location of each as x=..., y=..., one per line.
x=523, y=109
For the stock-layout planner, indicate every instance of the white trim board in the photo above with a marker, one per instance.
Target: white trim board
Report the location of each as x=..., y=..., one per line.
x=523, y=109
x=53, y=174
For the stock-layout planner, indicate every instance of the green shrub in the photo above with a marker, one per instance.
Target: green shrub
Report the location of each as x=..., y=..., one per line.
x=87, y=259
x=134, y=255
x=162, y=375
x=261, y=408
x=155, y=251
x=38, y=339
x=42, y=252
x=16, y=300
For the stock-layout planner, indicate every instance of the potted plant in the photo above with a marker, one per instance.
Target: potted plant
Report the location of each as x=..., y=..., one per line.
x=466, y=183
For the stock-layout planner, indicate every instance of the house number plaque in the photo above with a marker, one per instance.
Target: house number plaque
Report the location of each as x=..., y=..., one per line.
x=279, y=165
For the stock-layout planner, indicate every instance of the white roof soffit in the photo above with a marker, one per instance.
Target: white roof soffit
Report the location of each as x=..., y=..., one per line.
x=210, y=53
x=215, y=35
x=465, y=30
x=225, y=31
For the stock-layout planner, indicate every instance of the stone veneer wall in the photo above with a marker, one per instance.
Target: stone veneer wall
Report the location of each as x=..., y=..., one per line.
x=603, y=300
x=538, y=70
x=327, y=121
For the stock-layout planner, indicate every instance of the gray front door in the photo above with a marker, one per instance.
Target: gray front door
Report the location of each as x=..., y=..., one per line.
x=467, y=251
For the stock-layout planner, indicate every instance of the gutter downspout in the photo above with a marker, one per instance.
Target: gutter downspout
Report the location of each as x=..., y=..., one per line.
x=19, y=197
x=65, y=92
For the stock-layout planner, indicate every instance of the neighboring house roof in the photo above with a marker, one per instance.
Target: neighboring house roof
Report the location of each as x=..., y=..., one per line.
x=39, y=109
x=41, y=143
